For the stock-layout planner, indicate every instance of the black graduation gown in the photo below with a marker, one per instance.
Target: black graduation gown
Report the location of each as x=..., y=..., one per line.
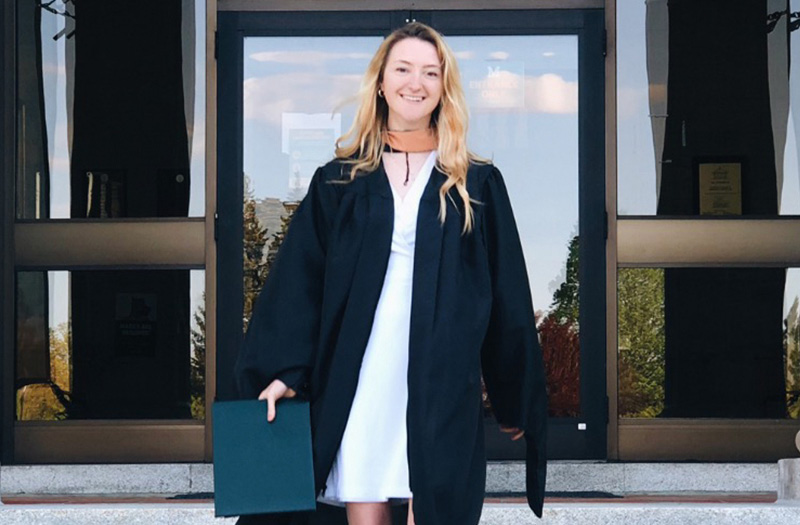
x=471, y=312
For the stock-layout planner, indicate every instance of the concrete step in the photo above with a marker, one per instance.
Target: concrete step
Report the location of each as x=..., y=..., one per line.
x=559, y=513
x=562, y=476
x=611, y=493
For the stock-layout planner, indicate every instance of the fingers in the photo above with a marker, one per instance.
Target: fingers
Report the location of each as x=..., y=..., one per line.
x=512, y=430
x=270, y=409
x=276, y=390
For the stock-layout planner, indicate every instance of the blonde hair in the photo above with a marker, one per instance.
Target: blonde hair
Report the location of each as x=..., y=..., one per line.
x=449, y=120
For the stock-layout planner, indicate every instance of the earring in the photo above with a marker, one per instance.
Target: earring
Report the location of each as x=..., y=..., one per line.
x=380, y=92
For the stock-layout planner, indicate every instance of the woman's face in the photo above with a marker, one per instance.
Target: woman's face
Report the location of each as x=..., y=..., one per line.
x=412, y=84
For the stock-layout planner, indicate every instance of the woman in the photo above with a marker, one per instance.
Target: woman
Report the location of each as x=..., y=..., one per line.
x=400, y=280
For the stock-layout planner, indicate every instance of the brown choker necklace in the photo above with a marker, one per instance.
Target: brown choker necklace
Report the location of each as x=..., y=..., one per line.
x=414, y=141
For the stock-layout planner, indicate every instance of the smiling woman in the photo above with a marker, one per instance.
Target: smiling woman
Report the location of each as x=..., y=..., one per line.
x=400, y=283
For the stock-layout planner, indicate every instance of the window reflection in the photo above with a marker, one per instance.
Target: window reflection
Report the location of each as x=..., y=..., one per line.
x=685, y=99
x=110, y=345
x=299, y=95
x=681, y=354
x=522, y=93
x=110, y=124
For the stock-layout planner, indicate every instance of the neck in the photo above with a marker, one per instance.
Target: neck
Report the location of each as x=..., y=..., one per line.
x=412, y=141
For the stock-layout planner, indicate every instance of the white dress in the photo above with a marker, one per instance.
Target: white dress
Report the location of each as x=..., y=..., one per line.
x=372, y=462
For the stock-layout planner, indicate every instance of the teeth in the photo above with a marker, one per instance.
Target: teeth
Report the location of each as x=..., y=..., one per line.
x=412, y=99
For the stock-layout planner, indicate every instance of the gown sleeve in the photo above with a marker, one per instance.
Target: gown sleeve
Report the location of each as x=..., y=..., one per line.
x=282, y=336
x=511, y=357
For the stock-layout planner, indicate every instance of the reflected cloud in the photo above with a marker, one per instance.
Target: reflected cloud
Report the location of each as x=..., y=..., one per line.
x=550, y=93
x=499, y=55
x=266, y=98
x=306, y=57
x=464, y=55
x=547, y=93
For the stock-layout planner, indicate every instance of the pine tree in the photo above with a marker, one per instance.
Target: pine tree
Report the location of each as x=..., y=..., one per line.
x=255, y=267
x=197, y=365
x=565, y=307
x=559, y=336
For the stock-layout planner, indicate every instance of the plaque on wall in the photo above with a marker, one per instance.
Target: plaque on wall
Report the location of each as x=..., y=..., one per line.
x=136, y=320
x=720, y=187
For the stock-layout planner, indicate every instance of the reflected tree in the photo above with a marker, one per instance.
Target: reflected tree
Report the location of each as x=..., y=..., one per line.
x=560, y=340
x=641, y=341
x=255, y=265
x=791, y=348
x=50, y=401
x=197, y=370
x=559, y=337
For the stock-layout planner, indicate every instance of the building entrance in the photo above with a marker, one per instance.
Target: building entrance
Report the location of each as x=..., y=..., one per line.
x=534, y=86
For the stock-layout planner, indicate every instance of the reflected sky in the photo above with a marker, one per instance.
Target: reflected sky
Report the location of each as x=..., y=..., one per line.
x=523, y=98
x=55, y=79
x=54, y=67
x=635, y=152
x=637, y=190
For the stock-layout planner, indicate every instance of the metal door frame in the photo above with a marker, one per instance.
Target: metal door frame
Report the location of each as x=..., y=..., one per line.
x=569, y=438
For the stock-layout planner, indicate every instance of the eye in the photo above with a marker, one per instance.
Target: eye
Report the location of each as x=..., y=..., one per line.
x=433, y=74
x=401, y=69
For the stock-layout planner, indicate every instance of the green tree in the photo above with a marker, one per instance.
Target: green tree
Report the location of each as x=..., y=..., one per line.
x=565, y=306
x=641, y=341
x=197, y=365
x=277, y=238
x=51, y=400
x=791, y=349
x=559, y=335
x=255, y=239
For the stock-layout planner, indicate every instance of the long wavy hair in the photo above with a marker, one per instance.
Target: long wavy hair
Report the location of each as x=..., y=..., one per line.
x=363, y=143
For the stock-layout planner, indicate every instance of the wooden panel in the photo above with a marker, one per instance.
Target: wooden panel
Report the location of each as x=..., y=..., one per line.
x=708, y=242
x=707, y=440
x=108, y=442
x=75, y=244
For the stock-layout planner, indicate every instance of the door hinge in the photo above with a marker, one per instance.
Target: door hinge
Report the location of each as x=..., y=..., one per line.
x=216, y=45
x=605, y=42
x=605, y=225
x=216, y=226
x=607, y=402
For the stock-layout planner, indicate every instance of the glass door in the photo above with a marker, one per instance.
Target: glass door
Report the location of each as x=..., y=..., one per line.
x=534, y=85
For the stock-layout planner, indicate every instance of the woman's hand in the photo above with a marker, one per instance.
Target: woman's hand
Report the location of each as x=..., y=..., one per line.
x=276, y=390
x=512, y=430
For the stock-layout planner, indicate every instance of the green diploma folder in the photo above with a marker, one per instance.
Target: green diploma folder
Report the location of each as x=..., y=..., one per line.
x=262, y=467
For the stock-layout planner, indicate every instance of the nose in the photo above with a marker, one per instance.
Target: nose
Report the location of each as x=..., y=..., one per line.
x=415, y=82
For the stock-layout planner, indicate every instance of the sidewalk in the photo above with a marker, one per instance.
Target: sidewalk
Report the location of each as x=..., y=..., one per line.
x=629, y=510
